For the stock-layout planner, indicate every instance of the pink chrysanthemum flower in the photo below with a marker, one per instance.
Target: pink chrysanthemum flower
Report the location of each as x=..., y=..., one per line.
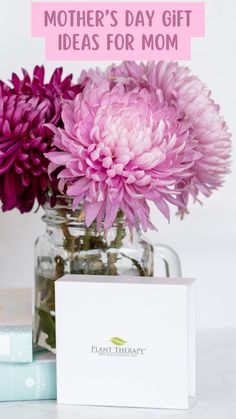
x=121, y=149
x=139, y=133
x=24, y=109
x=178, y=88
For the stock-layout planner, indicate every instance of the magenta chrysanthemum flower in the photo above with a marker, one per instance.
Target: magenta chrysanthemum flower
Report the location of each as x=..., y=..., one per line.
x=139, y=133
x=24, y=109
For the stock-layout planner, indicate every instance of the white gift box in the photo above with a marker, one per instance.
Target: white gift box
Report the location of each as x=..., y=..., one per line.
x=125, y=341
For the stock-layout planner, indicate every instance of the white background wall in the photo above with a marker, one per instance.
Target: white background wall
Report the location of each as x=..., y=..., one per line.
x=205, y=240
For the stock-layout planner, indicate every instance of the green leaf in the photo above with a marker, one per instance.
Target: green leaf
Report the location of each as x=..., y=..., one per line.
x=47, y=325
x=118, y=341
x=136, y=264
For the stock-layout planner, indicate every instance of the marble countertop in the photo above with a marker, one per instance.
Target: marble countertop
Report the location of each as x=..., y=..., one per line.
x=216, y=390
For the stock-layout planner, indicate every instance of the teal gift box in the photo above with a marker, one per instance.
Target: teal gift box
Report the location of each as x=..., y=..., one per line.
x=29, y=381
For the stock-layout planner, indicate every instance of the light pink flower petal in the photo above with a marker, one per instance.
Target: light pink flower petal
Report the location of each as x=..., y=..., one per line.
x=91, y=211
x=59, y=158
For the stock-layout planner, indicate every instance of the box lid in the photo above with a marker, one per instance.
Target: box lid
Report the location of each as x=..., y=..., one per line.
x=125, y=279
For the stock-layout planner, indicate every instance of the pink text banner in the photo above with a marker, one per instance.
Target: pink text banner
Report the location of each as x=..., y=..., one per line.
x=118, y=31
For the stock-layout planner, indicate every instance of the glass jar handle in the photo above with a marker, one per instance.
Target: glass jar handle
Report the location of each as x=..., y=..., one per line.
x=170, y=258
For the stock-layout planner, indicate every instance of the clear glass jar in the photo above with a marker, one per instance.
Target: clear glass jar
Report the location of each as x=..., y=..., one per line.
x=68, y=247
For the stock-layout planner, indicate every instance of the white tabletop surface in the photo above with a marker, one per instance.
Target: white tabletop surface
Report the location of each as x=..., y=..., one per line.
x=216, y=390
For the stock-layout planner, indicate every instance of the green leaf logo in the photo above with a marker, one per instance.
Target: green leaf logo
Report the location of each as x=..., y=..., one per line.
x=118, y=341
